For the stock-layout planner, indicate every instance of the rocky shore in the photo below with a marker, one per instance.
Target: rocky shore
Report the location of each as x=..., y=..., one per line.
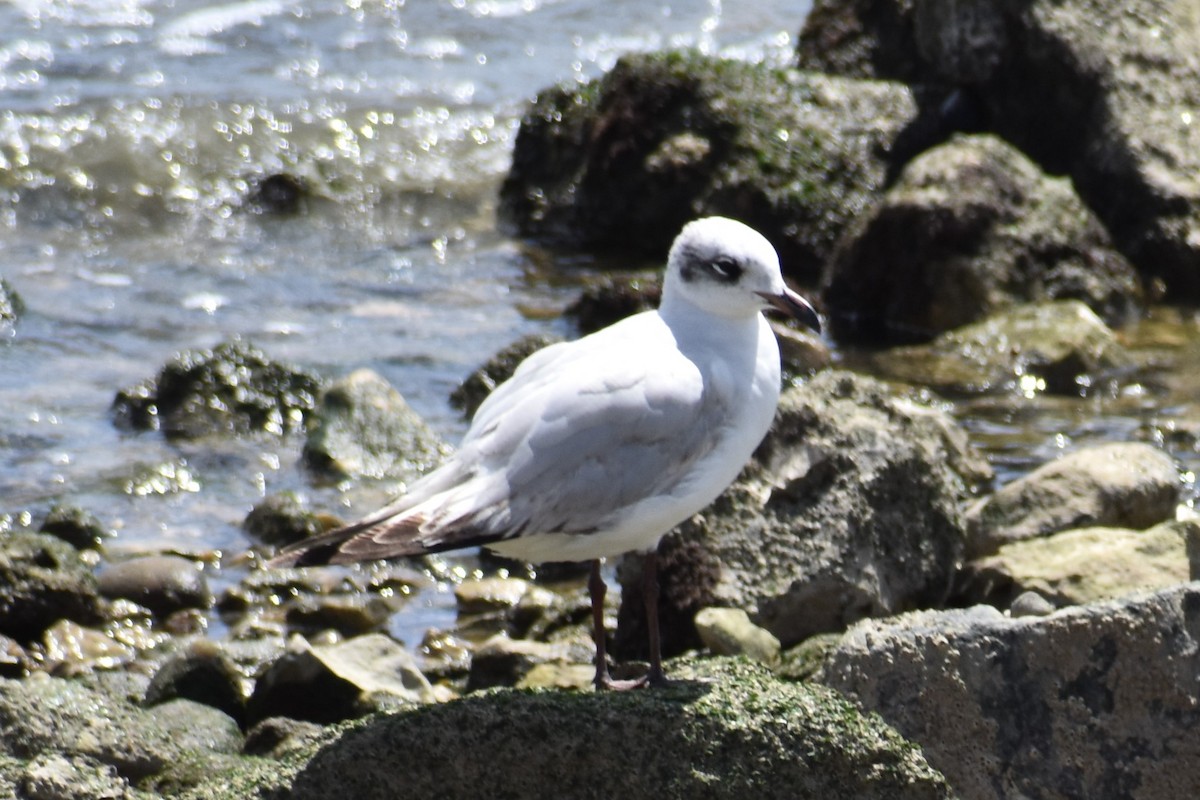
x=996, y=207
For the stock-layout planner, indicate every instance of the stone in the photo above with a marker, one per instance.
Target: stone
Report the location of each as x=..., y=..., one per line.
x=1060, y=347
x=76, y=526
x=339, y=681
x=42, y=580
x=54, y=776
x=729, y=632
x=68, y=648
x=625, y=160
x=1081, y=566
x=1122, y=485
x=281, y=519
x=232, y=389
x=1091, y=701
x=1030, y=604
x=162, y=583
x=970, y=227
x=851, y=507
x=725, y=730
x=11, y=307
x=364, y=429
x=470, y=394
x=501, y=661
x=203, y=673
x=611, y=299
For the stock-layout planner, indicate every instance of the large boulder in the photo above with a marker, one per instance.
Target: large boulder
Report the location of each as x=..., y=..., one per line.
x=1093, y=701
x=726, y=730
x=627, y=159
x=971, y=227
x=850, y=508
x=1108, y=93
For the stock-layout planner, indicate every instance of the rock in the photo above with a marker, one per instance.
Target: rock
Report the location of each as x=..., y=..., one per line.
x=663, y=138
x=1122, y=485
x=364, y=428
x=80, y=528
x=348, y=614
x=558, y=676
x=14, y=660
x=1094, y=701
x=277, y=737
x=501, y=661
x=11, y=306
x=611, y=299
x=471, y=393
x=163, y=584
x=67, y=648
x=169, y=477
x=850, y=508
x=729, y=632
x=1105, y=93
x=339, y=681
x=971, y=227
x=280, y=193
x=1081, y=566
x=1030, y=604
x=804, y=661
x=203, y=674
x=43, y=580
x=281, y=519
x=728, y=730
x=53, y=776
x=232, y=389
x=1060, y=347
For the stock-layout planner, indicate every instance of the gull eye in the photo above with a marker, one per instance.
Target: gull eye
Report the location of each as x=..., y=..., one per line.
x=726, y=269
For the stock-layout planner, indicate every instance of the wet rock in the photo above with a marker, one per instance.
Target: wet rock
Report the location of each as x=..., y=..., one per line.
x=11, y=306
x=850, y=508
x=43, y=580
x=1060, y=347
x=203, y=674
x=53, y=776
x=663, y=138
x=801, y=352
x=558, y=676
x=1105, y=93
x=336, y=682
x=280, y=193
x=163, y=584
x=281, y=519
x=471, y=393
x=1081, y=566
x=1092, y=701
x=76, y=526
x=728, y=730
x=729, y=632
x=971, y=227
x=67, y=648
x=501, y=661
x=169, y=477
x=14, y=661
x=1123, y=485
x=612, y=299
x=348, y=614
x=232, y=389
x=364, y=428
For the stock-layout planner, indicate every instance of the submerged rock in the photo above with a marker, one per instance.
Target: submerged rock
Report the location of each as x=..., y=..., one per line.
x=1060, y=347
x=1092, y=701
x=727, y=730
x=1104, y=92
x=233, y=388
x=1125, y=485
x=364, y=428
x=42, y=580
x=666, y=137
x=971, y=227
x=850, y=508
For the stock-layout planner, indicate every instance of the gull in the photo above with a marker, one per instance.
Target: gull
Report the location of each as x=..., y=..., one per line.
x=599, y=447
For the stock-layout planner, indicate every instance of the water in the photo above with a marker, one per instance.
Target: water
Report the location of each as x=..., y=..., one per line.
x=132, y=133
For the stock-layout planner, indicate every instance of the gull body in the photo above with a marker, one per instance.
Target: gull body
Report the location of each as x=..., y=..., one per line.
x=600, y=446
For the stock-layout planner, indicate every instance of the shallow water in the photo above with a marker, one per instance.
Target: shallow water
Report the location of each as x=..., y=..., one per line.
x=131, y=134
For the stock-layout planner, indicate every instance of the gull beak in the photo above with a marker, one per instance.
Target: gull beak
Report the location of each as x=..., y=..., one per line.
x=795, y=307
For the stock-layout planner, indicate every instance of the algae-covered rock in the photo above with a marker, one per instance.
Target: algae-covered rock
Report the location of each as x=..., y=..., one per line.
x=42, y=580
x=1060, y=347
x=469, y=394
x=281, y=519
x=77, y=526
x=11, y=306
x=364, y=428
x=726, y=730
x=1094, y=701
x=233, y=388
x=663, y=138
x=970, y=227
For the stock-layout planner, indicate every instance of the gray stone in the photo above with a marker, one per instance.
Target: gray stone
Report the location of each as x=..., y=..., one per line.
x=1121, y=485
x=1095, y=701
x=1060, y=347
x=204, y=674
x=628, y=158
x=163, y=584
x=281, y=519
x=232, y=389
x=364, y=428
x=850, y=508
x=80, y=528
x=501, y=661
x=338, y=681
x=469, y=394
x=970, y=227
x=54, y=776
x=43, y=580
x=729, y=632
x=727, y=730
x=1030, y=604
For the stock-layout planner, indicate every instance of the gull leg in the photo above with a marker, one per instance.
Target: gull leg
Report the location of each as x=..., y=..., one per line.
x=597, y=590
x=656, y=676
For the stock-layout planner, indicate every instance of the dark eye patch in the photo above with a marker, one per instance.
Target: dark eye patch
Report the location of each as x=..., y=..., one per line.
x=725, y=269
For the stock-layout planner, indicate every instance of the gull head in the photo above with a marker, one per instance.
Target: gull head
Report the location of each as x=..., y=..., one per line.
x=729, y=269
